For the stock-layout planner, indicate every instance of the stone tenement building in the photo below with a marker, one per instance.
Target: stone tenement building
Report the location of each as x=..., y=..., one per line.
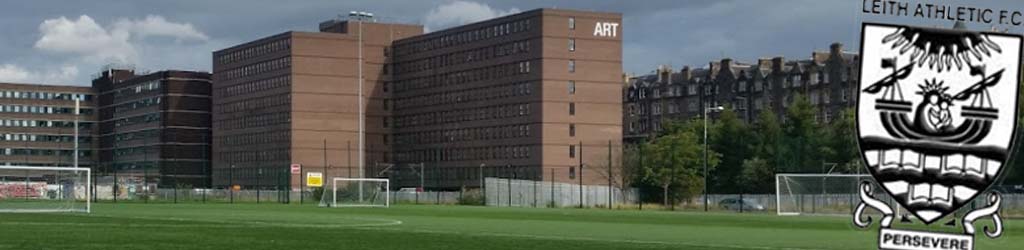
x=828, y=79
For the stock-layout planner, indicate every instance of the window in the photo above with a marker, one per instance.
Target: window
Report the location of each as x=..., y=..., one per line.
x=572, y=108
x=572, y=130
x=572, y=44
x=572, y=66
x=384, y=122
x=743, y=86
x=572, y=151
x=572, y=23
x=572, y=87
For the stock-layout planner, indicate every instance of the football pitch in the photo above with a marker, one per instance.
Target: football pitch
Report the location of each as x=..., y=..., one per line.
x=252, y=226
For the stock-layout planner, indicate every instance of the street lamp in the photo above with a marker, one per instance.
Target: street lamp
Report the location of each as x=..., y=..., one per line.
x=706, y=110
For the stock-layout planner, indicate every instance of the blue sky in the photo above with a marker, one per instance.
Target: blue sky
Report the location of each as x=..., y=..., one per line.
x=66, y=42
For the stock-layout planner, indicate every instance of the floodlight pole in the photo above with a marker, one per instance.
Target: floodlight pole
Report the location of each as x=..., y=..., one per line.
x=719, y=108
x=78, y=109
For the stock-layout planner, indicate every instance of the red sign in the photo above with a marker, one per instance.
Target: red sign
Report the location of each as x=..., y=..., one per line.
x=296, y=169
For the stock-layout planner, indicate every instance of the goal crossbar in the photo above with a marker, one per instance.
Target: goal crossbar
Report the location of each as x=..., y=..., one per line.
x=362, y=188
x=813, y=184
x=29, y=169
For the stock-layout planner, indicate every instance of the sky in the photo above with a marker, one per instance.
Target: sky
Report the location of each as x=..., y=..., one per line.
x=67, y=42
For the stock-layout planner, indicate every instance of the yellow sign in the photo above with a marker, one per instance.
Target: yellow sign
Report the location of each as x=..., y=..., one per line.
x=314, y=179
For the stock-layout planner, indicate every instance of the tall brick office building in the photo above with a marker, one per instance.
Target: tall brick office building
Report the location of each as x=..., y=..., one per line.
x=516, y=93
x=154, y=128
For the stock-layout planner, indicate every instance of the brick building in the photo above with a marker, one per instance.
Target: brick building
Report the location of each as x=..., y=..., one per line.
x=828, y=79
x=37, y=125
x=515, y=94
x=155, y=125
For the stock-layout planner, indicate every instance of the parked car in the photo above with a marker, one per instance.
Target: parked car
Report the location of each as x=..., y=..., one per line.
x=737, y=204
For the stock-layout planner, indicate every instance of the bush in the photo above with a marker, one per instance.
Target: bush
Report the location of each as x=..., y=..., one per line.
x=474, y=198
x=317, y=193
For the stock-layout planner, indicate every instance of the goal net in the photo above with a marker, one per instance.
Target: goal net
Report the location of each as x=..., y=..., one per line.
x=44, y=189
x=822, y=194
x=358, y=192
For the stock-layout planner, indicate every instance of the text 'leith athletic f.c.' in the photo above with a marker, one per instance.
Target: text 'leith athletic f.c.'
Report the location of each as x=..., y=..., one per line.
x=936, y=120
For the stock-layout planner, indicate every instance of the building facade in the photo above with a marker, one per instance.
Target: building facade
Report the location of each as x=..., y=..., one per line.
x=510, y=97
x=154, y=128
x=517, y=94
x=293, y=98
x=827, y=79
x=37, y=125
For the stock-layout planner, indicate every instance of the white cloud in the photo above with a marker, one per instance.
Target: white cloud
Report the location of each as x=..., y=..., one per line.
x=84, y=37
x=461, y=12
x=16, y=74
x=158, y=26
x=114, y=44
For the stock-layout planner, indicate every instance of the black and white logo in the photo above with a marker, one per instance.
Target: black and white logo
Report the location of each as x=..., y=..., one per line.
x=936, y=118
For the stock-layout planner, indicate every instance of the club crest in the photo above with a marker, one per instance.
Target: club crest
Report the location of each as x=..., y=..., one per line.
x=936, y=118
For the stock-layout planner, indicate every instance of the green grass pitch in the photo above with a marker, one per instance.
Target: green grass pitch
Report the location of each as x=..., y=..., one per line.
x=252, y=226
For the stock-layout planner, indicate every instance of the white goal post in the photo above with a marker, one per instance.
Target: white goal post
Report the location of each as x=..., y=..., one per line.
x=817, y=194
x=25, y=189
x=360, y=192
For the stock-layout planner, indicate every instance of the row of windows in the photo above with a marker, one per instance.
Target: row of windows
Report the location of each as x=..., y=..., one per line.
x=468, y=95
x=43, y=138
x=464, y=115
x=465, y=154
x=144, y=87
x=255, y=103
x=258, y=120
x=268, y=155
x=258, y=68
x=137, y=104
x=45, y=95
x=464, y=134
x=139, y=119
x=256, y=86
x=44, y=152
x=140, y=150
x=274, y=137
x=255, y=51
x=466, y=76
x=42, y=109
x=138, y=135
x=464, y=37
x=740, y=87
x=463, y=57
x=43, y=123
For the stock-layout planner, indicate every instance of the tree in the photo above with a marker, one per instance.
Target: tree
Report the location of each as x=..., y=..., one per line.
x=675, y=160
x=802, y=137
x=757, y=175
x=768, y=139
x=730, y=138
x=1015, y=176
x=842, y=141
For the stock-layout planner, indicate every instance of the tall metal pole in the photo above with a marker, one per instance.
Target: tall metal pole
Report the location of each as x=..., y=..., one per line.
x=78, y=109
x=706, y=158
x=609, y=174
x=362, y=114
x=231, y=182
x=323, y=190
x=581, y=173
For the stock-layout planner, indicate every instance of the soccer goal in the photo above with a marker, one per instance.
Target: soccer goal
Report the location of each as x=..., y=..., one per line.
x=360, y=192
x=818, y=194
x=44, y=189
